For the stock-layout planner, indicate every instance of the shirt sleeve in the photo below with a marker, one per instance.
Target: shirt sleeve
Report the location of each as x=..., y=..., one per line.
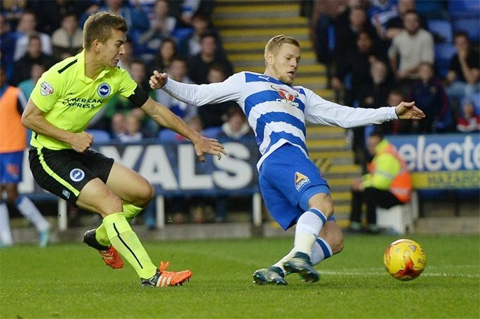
x=321, y=111
x=46, y=91
x=127, y=84
x=194, y=94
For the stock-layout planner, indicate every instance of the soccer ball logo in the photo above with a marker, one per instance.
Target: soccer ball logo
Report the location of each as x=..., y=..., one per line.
x=404, y=259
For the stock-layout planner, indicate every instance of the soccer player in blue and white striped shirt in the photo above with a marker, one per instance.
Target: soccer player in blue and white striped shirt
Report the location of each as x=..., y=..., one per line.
x=292, y=187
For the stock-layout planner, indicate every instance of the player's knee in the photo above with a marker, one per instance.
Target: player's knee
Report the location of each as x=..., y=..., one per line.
x=323, y=202
x=144, y=195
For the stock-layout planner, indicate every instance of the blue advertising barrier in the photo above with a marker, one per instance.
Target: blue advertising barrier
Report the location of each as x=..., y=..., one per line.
x=450, y=161
x=443, y=166
x=175, y=170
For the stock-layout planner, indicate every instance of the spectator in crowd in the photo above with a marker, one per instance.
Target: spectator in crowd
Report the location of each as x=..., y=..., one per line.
x=13, y=136
x=215, y=114
x=127, y=56
x=357, y=64
x=178, y=72
x=393, y=96
x=199, y=65
x=469, y=120
x=188, y=10
x=166, y=53
x=463, y=77
x=235, y=128
x=429, y=94
x=12, y=11
x=27, y=28
x=409, y=48
x=8, y=41
x=132, y=130
x=189, y=44
x=387, y=184
x=138, y=71
x=148, y=126
x=118, y=126
x=49, y=12
x=33, y=55
x=346, y=34
x=381, y=11
x=68, y=39
x=395, y=24
x=323, y=17
x=383, y=82
x=162, y=26
x=27, y=86
x=136, y=18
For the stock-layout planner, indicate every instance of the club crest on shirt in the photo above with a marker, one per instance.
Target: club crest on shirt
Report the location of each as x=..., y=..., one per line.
x=286, y=97
x=104, y=90
x=46, y=88
x=77, y=174
x=300, y=180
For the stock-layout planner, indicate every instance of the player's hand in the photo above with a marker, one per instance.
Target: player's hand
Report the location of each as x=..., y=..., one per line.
x=206, y=145
x=409, y=111
x=81, y=142
x=158, y=80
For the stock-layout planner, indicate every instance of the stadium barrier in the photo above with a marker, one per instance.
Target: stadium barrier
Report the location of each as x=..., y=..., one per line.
x=175, y=171
x=441, y=165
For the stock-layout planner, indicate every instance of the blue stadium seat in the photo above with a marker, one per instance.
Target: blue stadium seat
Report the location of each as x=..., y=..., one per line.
x=463, y=9
x=100, y=136
x=166, y=135
x=471, y=26
x=443, y=54
x=442, y=29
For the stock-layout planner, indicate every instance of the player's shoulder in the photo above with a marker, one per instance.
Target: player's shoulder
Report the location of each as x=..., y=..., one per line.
x=302, y=90
x=62, y=68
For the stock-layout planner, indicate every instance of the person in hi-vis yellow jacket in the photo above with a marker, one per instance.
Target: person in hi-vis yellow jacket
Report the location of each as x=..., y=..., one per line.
x=387, y=184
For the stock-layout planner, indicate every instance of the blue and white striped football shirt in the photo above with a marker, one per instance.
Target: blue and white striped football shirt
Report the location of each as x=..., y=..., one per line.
x=277, y=112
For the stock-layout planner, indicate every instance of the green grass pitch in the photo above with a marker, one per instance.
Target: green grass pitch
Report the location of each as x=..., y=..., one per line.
x=71, y=281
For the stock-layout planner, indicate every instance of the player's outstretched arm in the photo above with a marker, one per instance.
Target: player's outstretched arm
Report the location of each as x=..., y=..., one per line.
x=409, y=111
x=33, y=118
x=166, y=118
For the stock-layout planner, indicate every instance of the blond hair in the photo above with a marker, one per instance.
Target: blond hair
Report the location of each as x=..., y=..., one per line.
x=99, y=27
x=274, y=44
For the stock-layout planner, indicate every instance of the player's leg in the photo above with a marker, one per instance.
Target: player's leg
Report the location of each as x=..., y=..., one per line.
x=308, y=228
x=329, y=243
x=97, y=197
x=24, y=205
x=6, y=238
x=135, y=195
x=63, y=173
